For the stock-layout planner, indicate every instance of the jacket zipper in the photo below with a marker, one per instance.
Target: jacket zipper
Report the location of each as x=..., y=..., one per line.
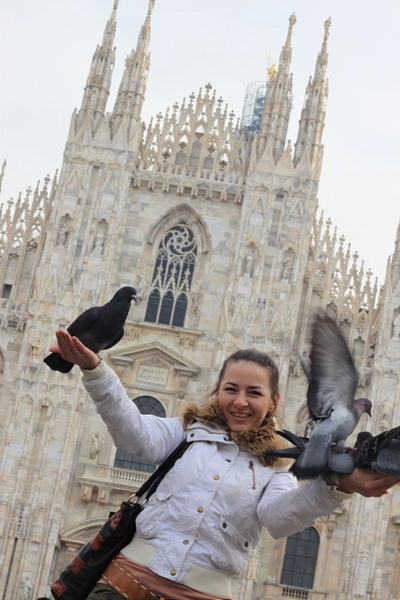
x=251, y=466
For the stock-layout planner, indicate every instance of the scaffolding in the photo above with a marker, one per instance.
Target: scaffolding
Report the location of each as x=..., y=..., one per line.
x=253, y=107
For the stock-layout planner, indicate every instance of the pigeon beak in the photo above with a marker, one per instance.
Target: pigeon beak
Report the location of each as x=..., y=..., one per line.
x=134, y=298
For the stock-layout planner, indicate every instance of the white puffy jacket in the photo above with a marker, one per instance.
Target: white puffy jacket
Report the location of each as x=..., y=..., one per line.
x=210, y=508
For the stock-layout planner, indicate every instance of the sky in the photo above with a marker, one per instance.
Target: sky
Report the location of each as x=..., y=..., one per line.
x=47, y=45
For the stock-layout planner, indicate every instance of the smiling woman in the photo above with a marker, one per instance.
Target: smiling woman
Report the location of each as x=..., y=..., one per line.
x=198, y=530
x=247, y=389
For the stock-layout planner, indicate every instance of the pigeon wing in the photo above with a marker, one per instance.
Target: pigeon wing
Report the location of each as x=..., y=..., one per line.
x=84, y=322
x=114, y=341
x=385, y=438
x=333, y=377
x=388, y=460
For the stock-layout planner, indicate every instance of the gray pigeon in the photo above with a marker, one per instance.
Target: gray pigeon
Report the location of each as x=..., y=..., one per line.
x=380, y=452
x=332, y=382
x=99, y=327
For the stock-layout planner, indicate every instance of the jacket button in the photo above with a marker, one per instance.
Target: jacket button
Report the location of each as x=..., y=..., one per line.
x=172, y=572
x=191, y=435
x=186, y=542
x=200, y=509
x=216, y=477
x=246, y=544
x=228, y=460
x=224, y=525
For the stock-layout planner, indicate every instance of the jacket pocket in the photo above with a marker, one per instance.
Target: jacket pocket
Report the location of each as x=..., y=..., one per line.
x=153, y=512
x=232, y=549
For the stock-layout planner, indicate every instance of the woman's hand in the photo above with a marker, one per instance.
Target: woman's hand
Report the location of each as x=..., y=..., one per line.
x=367, y=482
x=74, y=351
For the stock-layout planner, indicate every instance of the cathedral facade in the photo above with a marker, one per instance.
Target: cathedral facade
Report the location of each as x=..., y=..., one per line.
x=217, y=227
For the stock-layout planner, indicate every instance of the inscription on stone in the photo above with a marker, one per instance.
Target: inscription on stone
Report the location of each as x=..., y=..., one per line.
x=149, y=374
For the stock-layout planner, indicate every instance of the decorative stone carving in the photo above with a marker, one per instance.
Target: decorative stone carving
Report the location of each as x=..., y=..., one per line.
x=3, y=512
x=387, y=410
x=94, y=446
x=25, y=588
x=248, y=263
x=396, y=328
x=38, y=525
x=361, y=579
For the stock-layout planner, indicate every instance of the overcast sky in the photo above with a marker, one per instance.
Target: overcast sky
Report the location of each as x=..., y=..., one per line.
x=47, y=45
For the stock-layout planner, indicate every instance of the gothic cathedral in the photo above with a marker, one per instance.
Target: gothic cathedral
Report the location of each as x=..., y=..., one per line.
x=216, y=225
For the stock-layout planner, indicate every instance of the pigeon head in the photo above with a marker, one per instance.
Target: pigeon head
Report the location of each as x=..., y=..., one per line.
x=126, y=293
x=362, y=437
x=363, y=405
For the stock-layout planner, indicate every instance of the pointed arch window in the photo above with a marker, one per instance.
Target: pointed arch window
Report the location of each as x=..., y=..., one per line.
x=147, y=405
x=300, y=559
x=172, y=277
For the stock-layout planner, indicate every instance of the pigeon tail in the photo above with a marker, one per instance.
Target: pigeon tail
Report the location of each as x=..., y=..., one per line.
x=284, y=452
x=299, y=442
x=57, y=363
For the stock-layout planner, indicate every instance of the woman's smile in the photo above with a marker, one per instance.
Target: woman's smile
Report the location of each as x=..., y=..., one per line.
x=244, y=395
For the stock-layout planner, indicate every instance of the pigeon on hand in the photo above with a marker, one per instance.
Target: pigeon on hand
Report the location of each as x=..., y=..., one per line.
x=332, y=382
x=98, y=328
x=380, y=452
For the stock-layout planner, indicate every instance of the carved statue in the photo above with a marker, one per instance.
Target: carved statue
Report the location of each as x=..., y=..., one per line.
x=26, y=588
x=396, y=327
x=248, y=264
x=287, y=268
x=141, y=288
x=95, y=446
x=386, y=413
x=62, y=236
x=99, y=242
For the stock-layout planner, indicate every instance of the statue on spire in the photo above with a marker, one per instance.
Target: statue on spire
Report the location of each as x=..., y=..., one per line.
x=327, y=26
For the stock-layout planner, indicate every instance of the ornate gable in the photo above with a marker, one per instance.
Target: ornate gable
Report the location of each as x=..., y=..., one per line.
x=154, y=365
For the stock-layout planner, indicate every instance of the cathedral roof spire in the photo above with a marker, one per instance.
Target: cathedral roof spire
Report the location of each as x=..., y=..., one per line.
x=3, y=168
x=111, y=26
x=278, y=103
x=131, y=92
x=312, y=120
x=395, y=261
x=98, y=83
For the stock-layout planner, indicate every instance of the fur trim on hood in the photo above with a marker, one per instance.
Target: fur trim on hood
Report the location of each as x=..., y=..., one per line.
x=255, y=440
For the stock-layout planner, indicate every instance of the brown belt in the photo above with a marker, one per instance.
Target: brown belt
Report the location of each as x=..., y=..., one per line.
x=126, y=584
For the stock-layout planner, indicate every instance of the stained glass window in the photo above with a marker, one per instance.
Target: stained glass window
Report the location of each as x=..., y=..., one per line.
x=172, y=277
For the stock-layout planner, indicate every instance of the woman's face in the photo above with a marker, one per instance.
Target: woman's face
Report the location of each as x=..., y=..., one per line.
x=244, y=395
